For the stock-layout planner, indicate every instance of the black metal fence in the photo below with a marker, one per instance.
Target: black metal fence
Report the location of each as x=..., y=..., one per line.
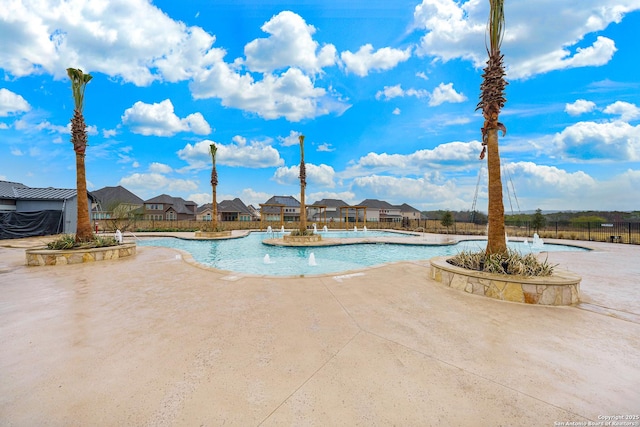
x=615, y=232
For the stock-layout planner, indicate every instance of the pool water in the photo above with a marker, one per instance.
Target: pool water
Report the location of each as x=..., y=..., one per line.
x=249, y=255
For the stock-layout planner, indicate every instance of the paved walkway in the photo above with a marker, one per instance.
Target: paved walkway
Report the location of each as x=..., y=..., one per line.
x=153, y=340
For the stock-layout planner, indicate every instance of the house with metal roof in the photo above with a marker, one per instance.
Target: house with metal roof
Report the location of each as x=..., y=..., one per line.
x=27, y=211
x=168, y=208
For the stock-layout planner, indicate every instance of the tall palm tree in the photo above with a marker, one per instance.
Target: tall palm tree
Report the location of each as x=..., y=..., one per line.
x=492, y=100
x=79, y=82
x=214, y=186
x=303, y=184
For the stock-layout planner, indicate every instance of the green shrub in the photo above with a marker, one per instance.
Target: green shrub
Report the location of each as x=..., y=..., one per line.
x=68, y=241
x=512, y=262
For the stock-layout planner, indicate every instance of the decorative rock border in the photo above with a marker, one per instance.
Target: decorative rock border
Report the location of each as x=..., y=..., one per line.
x=212, y=234
x=42, y=257
x=302, y=239
x=562, y=288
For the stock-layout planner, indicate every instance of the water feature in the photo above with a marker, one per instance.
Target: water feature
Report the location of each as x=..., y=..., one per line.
x=355, y=229
x=315, y=230
x=269, y=229
x=312, y=259
x=325, y=229
x=364, y=228
x=537, y=243
x=247, y=254
x=282, y=229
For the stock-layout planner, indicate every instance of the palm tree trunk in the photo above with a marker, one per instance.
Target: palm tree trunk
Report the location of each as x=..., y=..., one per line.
x=214, y=211
x=303, y=185
x=84, y=232
x=496, y=240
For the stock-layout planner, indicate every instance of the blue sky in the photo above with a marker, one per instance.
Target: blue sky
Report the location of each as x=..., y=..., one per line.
x=384, y=92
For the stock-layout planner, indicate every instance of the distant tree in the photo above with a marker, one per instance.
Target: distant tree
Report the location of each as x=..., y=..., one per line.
x=538, y=220
x=478, y=218
x=447, y=220
x=588, y=218
x=79, y=81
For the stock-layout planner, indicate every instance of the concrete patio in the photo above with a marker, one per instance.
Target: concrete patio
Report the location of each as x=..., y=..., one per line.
x=155, y=340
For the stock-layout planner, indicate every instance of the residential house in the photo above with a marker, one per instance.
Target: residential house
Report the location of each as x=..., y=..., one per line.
x=409, y=212
x=289, y=206
x=27, y=211
x=381, y=211
x=234, y=210
x=326, y=210
x=228, y=210
x=168, y=208
x=116, y=202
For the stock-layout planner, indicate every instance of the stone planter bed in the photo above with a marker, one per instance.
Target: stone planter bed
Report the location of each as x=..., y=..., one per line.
x=41, y=257
x=212, y=234
x=562, y=288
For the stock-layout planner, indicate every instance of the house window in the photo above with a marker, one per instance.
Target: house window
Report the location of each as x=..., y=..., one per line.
x=153, y=206
x=171, y=216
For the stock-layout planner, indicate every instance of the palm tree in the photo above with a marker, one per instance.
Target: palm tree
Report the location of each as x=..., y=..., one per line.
x=303, y=184
x=492, y=100
x=79, y=82
x=214, y=186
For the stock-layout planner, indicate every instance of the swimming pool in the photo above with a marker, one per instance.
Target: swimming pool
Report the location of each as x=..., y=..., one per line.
x=249, y=255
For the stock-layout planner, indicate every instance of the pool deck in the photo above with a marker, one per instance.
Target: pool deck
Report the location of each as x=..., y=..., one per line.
x=155, y=340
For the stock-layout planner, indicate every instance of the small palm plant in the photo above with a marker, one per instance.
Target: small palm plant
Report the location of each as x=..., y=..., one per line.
x=79, y=81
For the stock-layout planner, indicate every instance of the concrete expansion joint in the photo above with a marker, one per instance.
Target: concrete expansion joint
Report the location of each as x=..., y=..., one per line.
x=310, y=377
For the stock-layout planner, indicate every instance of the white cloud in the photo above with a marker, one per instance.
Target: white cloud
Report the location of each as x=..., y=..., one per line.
x=290, y=140
x=554, y=188
x=320, y=175
x=138, y=43
x=156, y=167
x=615, y=140
x=201, y=198
x=291, y=95
x=251, y=197
x=453, y=155
x=326, y=147
x=346, y=196
x=580, y=106
x=365, y=59
x=108, y=133
x=133, y=40
x=290, y=44
x=445, y=93
x=453, y=30
x=156, y=183
x=396, y=111
x=253, y=155
x=422, y=190
x=625, y=110
x=159, y=119
x=11, y=103
x=441, y=94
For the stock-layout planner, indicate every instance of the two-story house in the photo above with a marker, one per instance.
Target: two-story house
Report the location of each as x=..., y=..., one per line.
x=168, y=208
